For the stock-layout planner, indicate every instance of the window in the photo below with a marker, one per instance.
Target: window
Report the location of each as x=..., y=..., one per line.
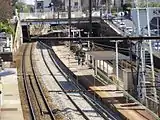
x=39, y=4
x=75, y=3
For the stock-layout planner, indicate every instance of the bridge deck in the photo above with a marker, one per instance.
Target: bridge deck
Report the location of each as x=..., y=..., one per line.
x=60, y=20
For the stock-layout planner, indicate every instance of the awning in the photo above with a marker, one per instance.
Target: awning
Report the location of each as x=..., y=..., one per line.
x=107, y=55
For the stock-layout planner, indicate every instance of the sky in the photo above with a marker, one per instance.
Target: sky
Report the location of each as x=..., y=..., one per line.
x=28, y=1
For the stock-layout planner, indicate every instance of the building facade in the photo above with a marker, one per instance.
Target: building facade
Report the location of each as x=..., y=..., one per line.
x=6, y=42
x=57, y=5
x=76, y=5
x=49, y=5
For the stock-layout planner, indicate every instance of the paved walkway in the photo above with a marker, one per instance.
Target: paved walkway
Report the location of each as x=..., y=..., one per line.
x=11, y=105
x=68, y=58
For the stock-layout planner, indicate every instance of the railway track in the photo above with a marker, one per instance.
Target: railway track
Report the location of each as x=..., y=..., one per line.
x=103, y=112
x=39, y=107
x=64, y=50
x=31, y=108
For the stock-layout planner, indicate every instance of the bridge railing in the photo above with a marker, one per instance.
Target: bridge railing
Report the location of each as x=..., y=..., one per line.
x=49, y=15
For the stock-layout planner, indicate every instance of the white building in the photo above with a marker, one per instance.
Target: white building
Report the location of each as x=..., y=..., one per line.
x=42, y=5
x=75, y=5
x=45, y=5
x=6, y=42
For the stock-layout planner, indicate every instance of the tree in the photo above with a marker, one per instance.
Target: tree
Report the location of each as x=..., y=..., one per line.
x=5, y=10
x=5, y=27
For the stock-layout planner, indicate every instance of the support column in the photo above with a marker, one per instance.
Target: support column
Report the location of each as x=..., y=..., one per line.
x=117, y=78
x=103, y=65
x=79, y=33
x=96, y=62
x=73, y=33
x=107, y=69
x=69, y=21
x=89, y=42
x=90, y=18
x=93, y=63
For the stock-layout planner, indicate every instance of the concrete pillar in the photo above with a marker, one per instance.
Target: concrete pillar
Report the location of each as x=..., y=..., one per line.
x=103, y=65
x=79, y=33
x=93, y=63
x=73, y=33
x=107, y=70
x=97, y=63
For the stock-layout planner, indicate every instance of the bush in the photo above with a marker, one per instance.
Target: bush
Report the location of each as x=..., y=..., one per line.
x=5, y=27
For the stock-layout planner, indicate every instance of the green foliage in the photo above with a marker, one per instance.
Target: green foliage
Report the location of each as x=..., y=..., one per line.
x=22, y=7
x=5, y=27
x=150, y=4
x=154, y=4
x=19, y=6
x=114, y=10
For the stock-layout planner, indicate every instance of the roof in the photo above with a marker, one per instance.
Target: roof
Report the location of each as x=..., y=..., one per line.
x=107, y=55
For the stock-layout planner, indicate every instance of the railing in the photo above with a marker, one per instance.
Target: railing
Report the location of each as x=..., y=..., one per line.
x=49, y=15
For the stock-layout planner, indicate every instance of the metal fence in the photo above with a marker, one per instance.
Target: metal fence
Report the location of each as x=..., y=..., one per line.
x=49, y=15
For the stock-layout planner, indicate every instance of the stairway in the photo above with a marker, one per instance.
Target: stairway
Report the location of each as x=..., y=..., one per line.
x=146, y=90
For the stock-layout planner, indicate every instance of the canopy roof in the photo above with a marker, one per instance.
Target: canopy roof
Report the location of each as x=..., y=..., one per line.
x=107, y=55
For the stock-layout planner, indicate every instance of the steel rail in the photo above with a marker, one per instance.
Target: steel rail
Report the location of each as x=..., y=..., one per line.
x=40, y=87
x=93, y=104
x=94, y=39
x=77, y=107
x=33, y=116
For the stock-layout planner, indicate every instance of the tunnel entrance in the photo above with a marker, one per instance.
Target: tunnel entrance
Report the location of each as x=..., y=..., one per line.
x=26, y=33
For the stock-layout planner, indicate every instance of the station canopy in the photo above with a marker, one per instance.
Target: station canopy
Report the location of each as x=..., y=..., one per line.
x=106, y=55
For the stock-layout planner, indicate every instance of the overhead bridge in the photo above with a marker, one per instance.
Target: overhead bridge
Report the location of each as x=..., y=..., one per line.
x=95, y=39
x=60, y=20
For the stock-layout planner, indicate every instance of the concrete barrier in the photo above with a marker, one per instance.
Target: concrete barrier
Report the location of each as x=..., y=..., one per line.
x=18, y=38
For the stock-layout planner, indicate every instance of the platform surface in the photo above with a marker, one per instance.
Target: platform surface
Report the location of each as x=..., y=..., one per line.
x=10, y=102
x=132, y=113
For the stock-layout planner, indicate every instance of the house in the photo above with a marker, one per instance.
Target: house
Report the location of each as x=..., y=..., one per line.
x=42, y=5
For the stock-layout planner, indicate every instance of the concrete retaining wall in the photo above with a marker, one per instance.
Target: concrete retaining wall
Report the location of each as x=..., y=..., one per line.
x=18, y=39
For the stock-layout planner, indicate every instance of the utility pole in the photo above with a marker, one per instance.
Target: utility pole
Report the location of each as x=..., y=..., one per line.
x=90, y=18
x=69, y=21
x=90, y=21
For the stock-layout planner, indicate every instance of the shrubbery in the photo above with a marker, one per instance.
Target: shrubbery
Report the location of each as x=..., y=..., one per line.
x=6, y=27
